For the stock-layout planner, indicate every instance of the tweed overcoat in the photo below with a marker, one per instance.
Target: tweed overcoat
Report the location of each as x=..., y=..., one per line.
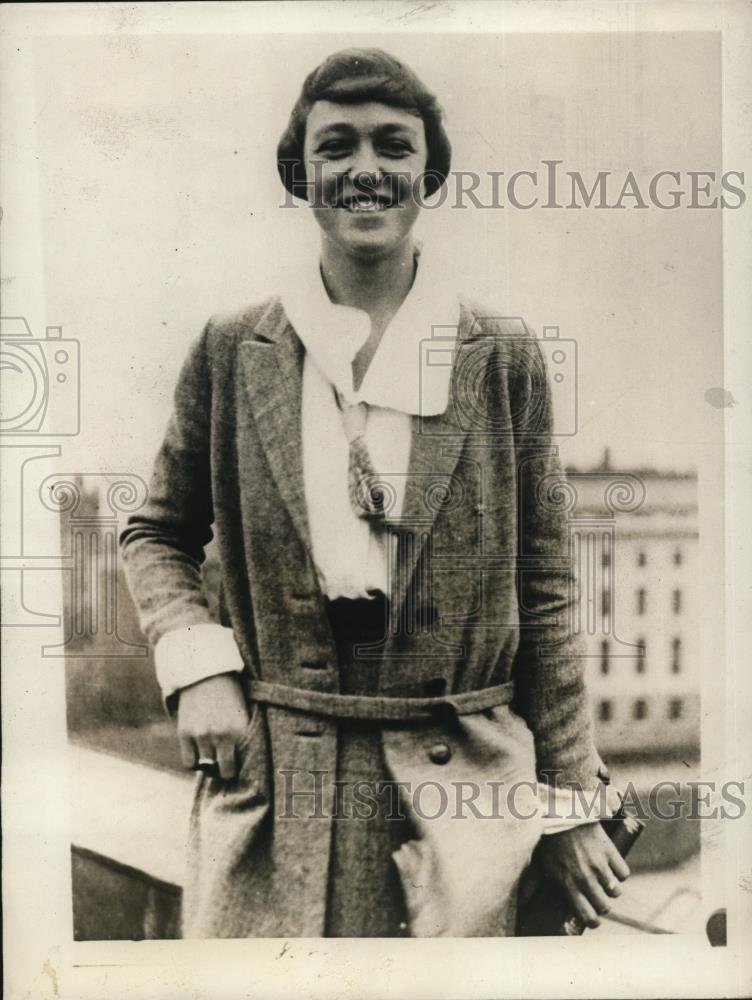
x=482, y=540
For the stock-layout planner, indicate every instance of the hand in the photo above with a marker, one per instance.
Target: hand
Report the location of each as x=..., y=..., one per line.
x=212, y=719
x=587, y=866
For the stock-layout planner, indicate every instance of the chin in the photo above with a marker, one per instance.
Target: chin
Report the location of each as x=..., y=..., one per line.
x=371, y=245
x=371, y=240
x=369, y=249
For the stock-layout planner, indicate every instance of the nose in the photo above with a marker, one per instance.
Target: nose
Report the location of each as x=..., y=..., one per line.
x=365, y=166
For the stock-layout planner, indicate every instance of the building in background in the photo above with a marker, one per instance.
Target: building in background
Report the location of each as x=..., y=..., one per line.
x=636, y=558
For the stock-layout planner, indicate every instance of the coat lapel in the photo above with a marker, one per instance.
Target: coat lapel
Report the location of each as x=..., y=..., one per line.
x=435, y=450
x=273, y=371
x=437, y=443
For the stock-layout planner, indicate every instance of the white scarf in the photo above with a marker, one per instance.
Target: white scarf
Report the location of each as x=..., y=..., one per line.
x=411, y=369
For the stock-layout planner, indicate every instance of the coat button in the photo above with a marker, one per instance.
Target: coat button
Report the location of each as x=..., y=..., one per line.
x=440, y=753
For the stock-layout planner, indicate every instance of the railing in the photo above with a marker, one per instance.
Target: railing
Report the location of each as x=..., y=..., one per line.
x=128, y=847
x=130, y=823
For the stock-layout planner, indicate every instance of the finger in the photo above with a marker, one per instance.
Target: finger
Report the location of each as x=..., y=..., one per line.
x=226, y=758
x=608, y=880
x=618, y=865
x=205, y=748
x=594, y=894
x=187, y=751
x=583, y=909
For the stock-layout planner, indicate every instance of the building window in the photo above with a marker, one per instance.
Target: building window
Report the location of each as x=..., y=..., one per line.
x=676, y=655
x=640, y=665
x=605, y=711
x=606, y=601
x=678, y=557
x=606, y=559
x=675, y=708
x=605, y=646
x=641, y=601
x=641, y=558
x=676, y=601
x=640, y=709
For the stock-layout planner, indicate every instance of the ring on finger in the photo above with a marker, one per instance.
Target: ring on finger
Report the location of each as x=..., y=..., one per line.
x=207, y=765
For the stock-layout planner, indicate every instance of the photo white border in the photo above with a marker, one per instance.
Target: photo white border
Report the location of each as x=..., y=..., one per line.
x=41, y=958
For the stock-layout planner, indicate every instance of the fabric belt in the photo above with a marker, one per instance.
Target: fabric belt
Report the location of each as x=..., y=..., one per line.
x=378, y=707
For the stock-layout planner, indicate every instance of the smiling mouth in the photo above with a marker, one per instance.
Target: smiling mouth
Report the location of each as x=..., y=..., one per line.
x=366, y=205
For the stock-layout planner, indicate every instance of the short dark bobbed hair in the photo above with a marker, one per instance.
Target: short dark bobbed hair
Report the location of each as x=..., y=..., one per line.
x=356, y=76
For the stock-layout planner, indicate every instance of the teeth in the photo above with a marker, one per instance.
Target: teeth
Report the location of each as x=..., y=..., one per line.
x=366, y=206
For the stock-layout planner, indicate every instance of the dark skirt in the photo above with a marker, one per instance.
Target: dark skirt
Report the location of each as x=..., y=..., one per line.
x=364, y=897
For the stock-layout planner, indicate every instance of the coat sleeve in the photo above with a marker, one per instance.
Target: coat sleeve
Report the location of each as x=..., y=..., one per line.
x=548, y=670
x=163, y=543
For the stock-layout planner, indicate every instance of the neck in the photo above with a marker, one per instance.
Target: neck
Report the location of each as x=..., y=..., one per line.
x=378, y=287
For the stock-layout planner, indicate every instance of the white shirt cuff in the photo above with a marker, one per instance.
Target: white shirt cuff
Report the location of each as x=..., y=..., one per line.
x=564, y=808
x=191, y=654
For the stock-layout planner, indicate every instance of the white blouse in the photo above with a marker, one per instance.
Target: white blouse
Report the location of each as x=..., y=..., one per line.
x=404, y=380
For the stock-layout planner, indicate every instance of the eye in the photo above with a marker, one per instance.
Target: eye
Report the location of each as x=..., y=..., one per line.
x=334, y=149
x=396, y=149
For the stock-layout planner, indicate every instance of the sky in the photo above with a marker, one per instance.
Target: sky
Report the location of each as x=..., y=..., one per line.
x=159, y=205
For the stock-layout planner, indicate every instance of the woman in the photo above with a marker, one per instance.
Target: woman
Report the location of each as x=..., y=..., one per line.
x=391, y=569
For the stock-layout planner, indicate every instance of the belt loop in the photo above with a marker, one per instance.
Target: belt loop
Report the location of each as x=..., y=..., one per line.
x=445, y=712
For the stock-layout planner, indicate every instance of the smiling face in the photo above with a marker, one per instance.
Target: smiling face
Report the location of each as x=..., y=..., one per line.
x=362, y=164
